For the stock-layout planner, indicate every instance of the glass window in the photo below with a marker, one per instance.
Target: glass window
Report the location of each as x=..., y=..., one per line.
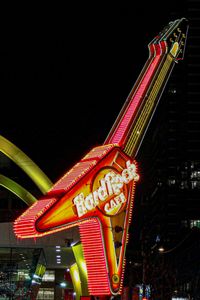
x=49, y=276
x=195, y=184
x=183, y=185
x=171, y=181
x=195, y=174
x=45, y=294
x=195, y=223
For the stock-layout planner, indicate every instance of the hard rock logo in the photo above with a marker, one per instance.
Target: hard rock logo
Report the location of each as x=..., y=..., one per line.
x=109, y=191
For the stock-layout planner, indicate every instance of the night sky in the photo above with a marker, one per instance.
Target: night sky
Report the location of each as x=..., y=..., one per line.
x=66, y=72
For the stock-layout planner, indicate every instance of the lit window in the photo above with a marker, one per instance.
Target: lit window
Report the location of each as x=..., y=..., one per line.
x=23, y=275
x=195, y=184
x=172, y=91
x=194, y=223
x=171, y=181
x=195, y=174
x=45, y=293
x=49, y=276
x=183, y=185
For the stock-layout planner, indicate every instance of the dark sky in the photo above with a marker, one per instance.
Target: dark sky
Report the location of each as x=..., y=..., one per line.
x=66, y=72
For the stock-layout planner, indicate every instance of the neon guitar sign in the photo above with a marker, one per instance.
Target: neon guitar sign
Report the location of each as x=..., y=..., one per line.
x=97, y=194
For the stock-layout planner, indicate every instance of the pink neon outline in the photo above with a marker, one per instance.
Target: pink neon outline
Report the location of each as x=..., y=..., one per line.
x=121, y=131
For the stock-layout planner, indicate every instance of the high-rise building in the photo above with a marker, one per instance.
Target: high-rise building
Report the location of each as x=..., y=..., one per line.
x=166, y=225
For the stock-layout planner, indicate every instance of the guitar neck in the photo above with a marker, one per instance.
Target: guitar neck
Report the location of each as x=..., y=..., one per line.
x=147, y=108
x=131, y=124
x=119, y=130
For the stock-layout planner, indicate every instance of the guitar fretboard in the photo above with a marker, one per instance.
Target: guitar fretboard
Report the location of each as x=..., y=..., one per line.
x=130, y=127
x=140, y=126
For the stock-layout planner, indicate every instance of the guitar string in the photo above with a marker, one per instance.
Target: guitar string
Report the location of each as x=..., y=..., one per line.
x=141, y=122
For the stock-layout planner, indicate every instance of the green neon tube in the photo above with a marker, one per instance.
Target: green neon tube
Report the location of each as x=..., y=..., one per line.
x=17, y=189
x=80, y=261
x=76, y=281
x=26, y=164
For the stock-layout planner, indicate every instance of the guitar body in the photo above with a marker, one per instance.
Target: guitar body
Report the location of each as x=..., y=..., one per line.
x=101, y=194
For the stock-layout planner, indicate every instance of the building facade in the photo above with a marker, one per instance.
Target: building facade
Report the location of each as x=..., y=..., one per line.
x=167, y=202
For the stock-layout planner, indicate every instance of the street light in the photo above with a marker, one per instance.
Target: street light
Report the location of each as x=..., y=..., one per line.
x=161, y=249
x=63, y=284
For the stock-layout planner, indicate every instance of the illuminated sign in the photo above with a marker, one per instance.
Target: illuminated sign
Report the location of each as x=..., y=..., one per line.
x=110, y=196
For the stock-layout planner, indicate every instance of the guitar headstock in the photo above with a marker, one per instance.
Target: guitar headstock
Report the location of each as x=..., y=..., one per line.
x=175, y=36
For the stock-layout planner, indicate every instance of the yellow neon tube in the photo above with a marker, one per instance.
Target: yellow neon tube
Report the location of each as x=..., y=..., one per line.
x=17, y=189
x=26, y=164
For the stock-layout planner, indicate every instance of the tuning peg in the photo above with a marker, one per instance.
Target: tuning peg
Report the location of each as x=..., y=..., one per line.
x=178, y=29
x=171, y=40
x=183, y=35
x=175, y=34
